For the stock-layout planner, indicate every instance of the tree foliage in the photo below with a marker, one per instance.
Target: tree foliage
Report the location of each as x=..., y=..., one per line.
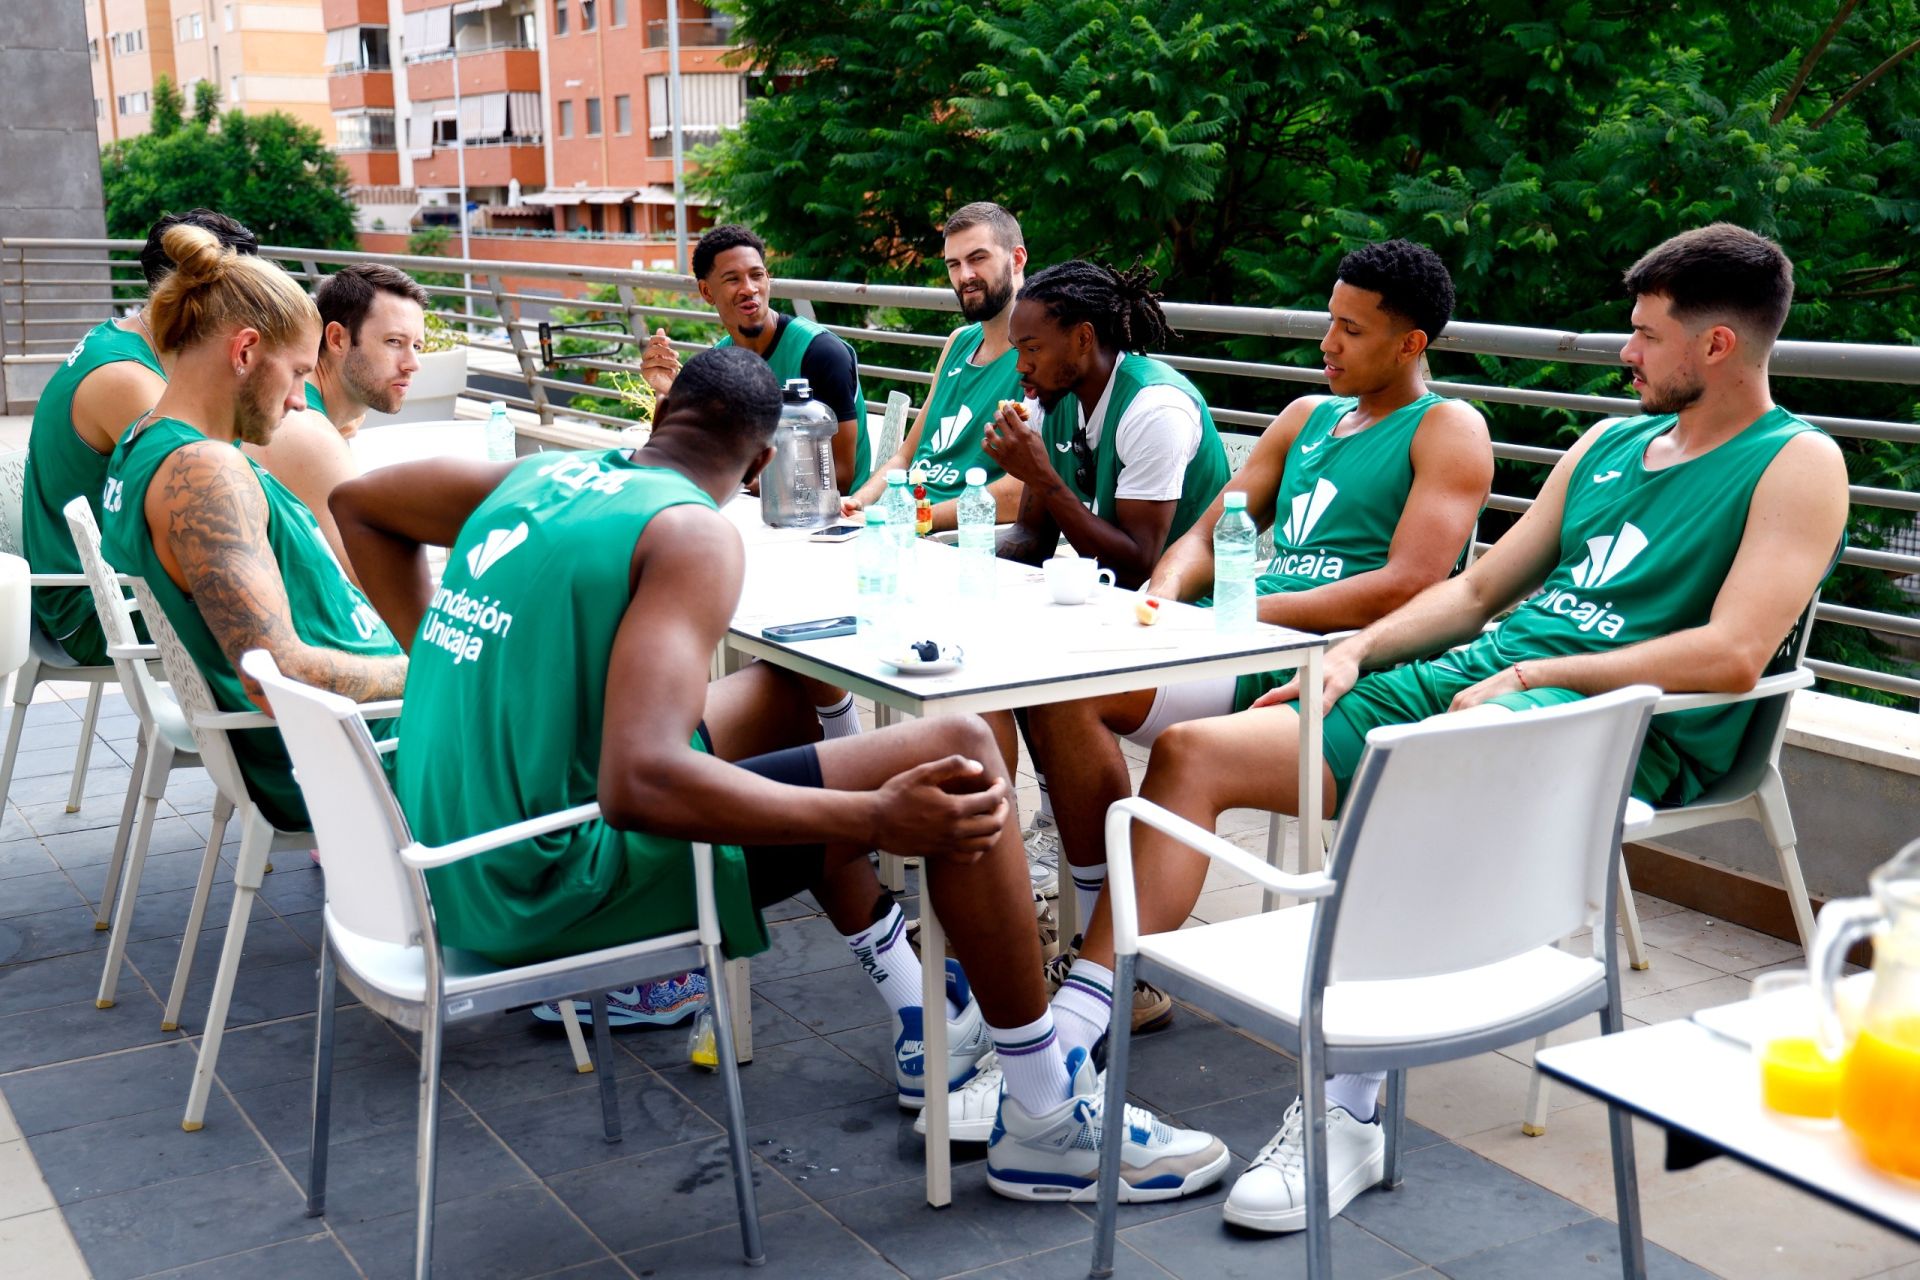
x=270, y=171
x=1241, y=146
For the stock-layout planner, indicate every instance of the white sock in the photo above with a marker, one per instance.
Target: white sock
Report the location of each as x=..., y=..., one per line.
x=882, y=950
x=1083, y=1006
x=1033, y=1063
x=1045, y=817
x=1358, y=1094
x=1087, y=884
x=839, y=720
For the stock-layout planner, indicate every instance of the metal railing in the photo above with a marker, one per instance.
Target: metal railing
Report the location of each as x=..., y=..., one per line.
x=43, y=281
x=695, y=33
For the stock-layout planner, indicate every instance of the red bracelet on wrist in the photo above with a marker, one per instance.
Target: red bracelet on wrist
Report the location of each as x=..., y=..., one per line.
x=1521, y=676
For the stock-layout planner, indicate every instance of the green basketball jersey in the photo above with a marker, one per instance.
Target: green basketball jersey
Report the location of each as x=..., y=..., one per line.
x=316, y=401
x=963, y=399
x=61, y=467
x=1341, y=497
x=795, y=337
x=506, y=707
x=1644, y=554
x=1207, y=470
x=327, y=610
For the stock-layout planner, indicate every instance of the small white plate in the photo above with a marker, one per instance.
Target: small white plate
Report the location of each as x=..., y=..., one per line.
x=951, y=658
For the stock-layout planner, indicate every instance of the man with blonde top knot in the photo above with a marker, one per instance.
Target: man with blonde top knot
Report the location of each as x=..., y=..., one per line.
x=235, y=561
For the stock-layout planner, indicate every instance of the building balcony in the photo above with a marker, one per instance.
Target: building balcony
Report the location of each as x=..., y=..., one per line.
x=501, y=69
x=488, y=165
x=712, y=33
x=335, y=14
x=371, y=166
x=360, y=89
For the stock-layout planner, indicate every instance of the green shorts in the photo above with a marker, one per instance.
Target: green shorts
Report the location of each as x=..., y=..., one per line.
x=1421, y=690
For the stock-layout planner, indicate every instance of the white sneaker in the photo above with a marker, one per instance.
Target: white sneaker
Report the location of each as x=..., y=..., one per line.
x=1272, y=1194
x=973, y=1107
x=1056, y=1155
x=968, y=1041
x=1042, y=838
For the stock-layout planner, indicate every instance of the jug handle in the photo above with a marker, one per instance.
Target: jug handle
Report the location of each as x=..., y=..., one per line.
x=1842, y=922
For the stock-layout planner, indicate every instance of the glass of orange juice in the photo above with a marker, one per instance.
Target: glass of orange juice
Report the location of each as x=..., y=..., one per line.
x=1796, y=1076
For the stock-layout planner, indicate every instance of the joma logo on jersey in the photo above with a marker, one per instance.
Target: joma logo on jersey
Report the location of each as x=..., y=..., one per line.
x=584, y=474
x=113, y=495
x=1306, y=510
x=1607, y=558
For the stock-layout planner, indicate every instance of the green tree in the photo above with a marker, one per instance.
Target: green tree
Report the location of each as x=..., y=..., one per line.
x=167, y=108
x=206, y=103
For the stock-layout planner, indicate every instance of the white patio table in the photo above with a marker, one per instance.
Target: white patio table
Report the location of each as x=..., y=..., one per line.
x=1022, y=650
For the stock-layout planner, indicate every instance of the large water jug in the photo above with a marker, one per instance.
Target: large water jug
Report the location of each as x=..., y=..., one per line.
x=797, y=490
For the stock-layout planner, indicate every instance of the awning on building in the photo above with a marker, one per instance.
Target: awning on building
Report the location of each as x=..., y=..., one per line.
x=664, y=195
x=475, y=6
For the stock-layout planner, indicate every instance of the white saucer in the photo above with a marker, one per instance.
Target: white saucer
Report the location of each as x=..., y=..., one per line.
x=951, y=658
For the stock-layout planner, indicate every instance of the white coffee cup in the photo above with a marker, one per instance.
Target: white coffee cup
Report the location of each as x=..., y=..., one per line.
x=1071, y=579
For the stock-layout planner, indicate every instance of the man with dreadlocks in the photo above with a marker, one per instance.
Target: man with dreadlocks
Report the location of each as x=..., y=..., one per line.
x=1126, y=457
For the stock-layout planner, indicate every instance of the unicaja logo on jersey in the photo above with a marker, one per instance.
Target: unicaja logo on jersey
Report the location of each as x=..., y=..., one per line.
x=950, y=428
x=1607, y=558
x=491, y=552
x=1306, y=510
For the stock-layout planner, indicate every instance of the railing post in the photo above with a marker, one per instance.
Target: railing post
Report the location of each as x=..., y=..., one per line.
x=511, y=323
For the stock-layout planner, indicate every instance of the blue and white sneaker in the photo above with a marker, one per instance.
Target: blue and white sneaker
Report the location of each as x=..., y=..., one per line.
x=968, y=1041
x=1056, y=1155
x=666, y=1002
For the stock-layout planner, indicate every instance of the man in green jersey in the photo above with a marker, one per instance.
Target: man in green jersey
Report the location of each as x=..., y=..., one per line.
x=566, y=651
x=1372, y=493
x=1126, y=458
x=1675, y=549
x=235, y=561
x=110, y=378
x=986, y=265
x=730, y=264
x=373, y=327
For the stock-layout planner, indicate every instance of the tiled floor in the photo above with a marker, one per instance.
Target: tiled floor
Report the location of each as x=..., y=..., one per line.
x=96, y=1176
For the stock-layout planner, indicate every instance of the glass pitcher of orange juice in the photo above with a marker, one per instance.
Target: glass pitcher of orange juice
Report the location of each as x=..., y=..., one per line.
x=1880, y=1082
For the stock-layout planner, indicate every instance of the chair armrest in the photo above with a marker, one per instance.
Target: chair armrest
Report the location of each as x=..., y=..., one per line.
x=134, y=652
x=1768, y=687
x=1638, y=817
x=385, y=746
x=425, y=856
x=228, y=721
x=380, y=710
x=59, y=580
x=1120, y=818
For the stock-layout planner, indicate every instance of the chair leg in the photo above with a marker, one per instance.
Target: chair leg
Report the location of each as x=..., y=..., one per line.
x=739, y=983
x=603, y=1056
x=246, y=883
x=88, y=720
x=1626, y=1192
x=570, y=1019
x=1119, y=1046
x=427, y=1143
x=322, y=1084
x=153, y=782
x=196, y=916
x=23, y=685
x=1313, y=1107
x=721, y=994
x=1630, y=921
x=115, y=864
x=1777, y=821
x=1396, y=1128
x=1539, y=1090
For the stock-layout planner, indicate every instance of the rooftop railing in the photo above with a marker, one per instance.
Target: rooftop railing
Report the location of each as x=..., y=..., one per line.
x=50, y=287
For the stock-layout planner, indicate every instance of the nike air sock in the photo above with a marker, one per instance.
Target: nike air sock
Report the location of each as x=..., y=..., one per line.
x=839, y=720
x=1083, y=1006
x=1087, y=884
x=1033, y=1064
x=1358, y=1095
x=882, y=950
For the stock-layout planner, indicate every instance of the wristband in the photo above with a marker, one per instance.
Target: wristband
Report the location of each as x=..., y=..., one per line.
x=1521, y=676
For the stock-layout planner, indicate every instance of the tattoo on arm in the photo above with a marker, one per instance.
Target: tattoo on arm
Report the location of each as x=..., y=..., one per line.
x=216, y=523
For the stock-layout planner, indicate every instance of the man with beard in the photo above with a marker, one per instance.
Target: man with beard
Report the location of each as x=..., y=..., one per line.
x=1674, y=549
x=373, y=326
x=232, y=557
x=730, y=264
x=986, y=264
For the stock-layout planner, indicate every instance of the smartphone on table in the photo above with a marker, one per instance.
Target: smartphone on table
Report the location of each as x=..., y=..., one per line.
x=818, y=629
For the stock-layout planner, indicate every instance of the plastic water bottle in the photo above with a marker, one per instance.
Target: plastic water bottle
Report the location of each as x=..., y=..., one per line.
x=976, y=516
x=1233, y=555
x=898, y=503
x=877, y=569
x=500, y=444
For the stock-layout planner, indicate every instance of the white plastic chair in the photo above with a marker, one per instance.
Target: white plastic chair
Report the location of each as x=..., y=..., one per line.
x=383, y=446
x=166, y=744
x=259, y=841
x=381, y=941
x=1433, y=935
x=16, y=613
x=46, y=660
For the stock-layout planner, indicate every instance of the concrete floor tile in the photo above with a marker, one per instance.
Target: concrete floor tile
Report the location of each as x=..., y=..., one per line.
x=373, y=1177
x=563, y=1131
x=1455, y=1203
x=102, y=1088
x=1472, y=1095
x=315, y=1257
x=9, y=1127
x=1684, y=1002
x=1728, y=948
x=978, y=1229
x=107, y=1156
x=1071, y=1261
x=694, y=1179
x=41, y=1246
x=1750, y=1226
x=1585, y=1249
x=22, y=1189
x=188, y=1220
x=1201, y=1246
x=79, y=1030
x=800, y=1244
x=502, y=1235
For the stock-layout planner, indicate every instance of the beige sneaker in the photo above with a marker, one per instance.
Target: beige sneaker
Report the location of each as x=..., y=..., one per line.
x=1152, y=1009
x=1043, y=856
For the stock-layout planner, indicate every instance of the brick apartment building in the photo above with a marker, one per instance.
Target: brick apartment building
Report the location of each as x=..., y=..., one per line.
x=562, y=106
x=262, y=55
